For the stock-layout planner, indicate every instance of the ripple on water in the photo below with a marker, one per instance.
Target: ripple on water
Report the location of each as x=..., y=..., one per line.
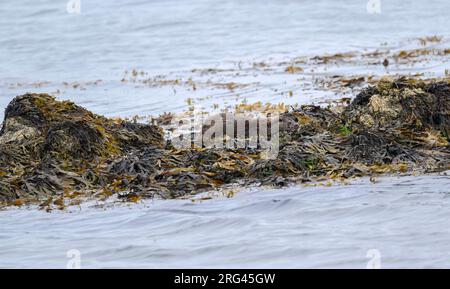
x=290, y=227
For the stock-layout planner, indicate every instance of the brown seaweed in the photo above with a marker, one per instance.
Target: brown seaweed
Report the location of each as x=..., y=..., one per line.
x=53, y=150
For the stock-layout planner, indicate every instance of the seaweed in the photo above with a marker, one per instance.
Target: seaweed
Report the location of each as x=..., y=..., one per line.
x=56, y=153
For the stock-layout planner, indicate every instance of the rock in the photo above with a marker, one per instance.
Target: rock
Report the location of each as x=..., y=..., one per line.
x=56, y=149
x=41, y=133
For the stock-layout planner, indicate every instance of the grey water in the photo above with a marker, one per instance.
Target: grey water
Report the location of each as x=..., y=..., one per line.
x=399, y=221
x=42, y=45
x=395, y=223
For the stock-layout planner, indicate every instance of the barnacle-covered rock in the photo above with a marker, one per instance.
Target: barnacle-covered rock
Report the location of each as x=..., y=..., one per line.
x=402, y=103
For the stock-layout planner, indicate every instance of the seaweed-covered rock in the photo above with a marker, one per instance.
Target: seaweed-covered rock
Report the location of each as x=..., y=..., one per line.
x=53, y=150
x=41, y=133
x=403, y=103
